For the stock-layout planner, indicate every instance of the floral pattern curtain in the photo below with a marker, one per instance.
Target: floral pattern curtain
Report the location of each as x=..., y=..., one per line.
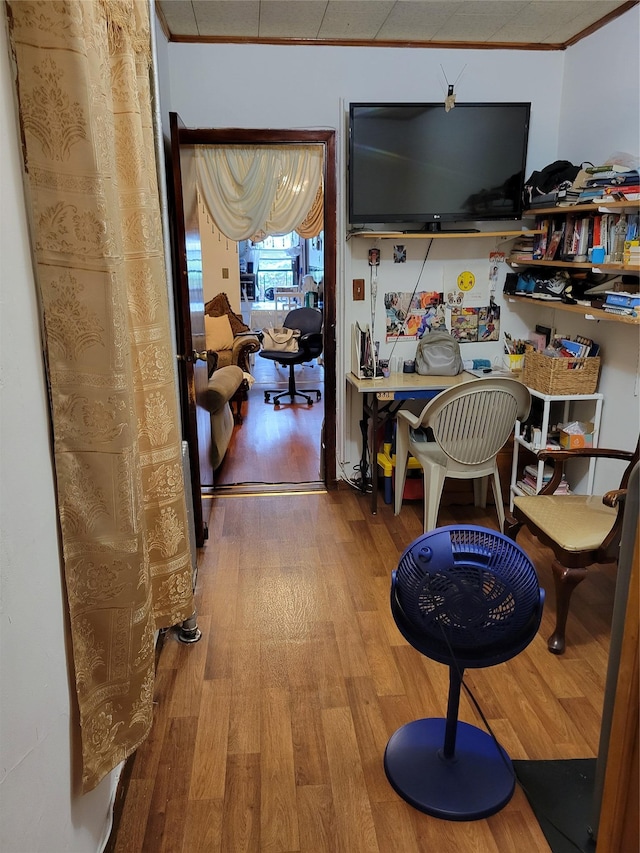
x=256, y=191
x=83, y=92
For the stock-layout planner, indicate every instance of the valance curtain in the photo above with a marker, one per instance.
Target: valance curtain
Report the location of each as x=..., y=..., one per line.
x=83, y=83
x=254, y=191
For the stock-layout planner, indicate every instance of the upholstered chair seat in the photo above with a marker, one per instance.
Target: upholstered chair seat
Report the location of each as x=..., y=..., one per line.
x=576, y=522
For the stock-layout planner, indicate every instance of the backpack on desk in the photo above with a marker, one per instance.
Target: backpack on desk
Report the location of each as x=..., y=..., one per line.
x=438, y=354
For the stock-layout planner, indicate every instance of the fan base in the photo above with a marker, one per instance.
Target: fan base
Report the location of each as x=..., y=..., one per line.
x=477, y=782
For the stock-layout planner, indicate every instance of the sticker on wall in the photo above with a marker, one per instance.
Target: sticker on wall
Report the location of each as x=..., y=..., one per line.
x=466, y=281
x=495, y=259
x=489, y=323
x=399, y=254
x=472, y=284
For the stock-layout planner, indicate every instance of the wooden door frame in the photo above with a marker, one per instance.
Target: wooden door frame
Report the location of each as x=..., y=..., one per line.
x=249, y=136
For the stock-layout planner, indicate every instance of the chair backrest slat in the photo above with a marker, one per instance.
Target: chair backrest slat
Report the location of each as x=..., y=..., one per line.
x=473, y=421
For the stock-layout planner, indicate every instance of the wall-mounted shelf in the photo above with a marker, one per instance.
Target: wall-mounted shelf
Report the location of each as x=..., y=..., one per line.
x=585, y=310
x=634, y=268
x=615, y=206
x=437, y=235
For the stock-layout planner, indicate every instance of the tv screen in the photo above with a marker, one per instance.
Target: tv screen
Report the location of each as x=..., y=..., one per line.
x=418, y=163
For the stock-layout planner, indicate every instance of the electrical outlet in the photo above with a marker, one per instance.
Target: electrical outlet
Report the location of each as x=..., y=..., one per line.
x=225, y=272
x=358, y=289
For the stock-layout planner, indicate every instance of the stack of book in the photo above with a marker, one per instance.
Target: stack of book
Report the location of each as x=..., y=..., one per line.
x=527, y=484
x=622, y=302
x=523, y=248
x=572, y=239
x=610, y=182
x=577, y=347
x=631, y=255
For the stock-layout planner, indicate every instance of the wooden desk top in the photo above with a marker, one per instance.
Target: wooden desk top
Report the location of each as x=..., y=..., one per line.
x=406, y=382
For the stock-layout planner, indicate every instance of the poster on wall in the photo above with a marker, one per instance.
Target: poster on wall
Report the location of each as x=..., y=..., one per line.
x=469, y=325
x=408, y=316
x=464, y=324
x=489, y=323
x=470, y=287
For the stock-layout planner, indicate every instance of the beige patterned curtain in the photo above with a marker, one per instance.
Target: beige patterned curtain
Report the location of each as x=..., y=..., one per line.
x=83, y=89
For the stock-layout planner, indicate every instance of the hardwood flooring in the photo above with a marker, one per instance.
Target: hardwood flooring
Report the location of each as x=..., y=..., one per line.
x=276, y=445
x=269, y=733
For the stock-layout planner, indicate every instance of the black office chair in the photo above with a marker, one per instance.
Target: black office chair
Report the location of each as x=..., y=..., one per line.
x=309, y=322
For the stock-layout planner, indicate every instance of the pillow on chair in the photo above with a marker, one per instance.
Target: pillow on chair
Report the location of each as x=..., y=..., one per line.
x=218, y=333
x=219, y=306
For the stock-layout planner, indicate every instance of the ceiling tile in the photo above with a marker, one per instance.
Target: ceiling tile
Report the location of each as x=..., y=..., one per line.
x=292, y=20
x=227, y=17
x=354, y=19
x=179, y=17
x=470, y=28
x=409, y=20
x=511, y=21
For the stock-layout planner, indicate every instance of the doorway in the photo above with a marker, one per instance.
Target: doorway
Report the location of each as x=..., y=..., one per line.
x=187, y=138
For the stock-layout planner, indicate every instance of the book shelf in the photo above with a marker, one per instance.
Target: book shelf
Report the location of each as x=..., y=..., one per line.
x=585, y=214
x=559, y=402
x=587, y=311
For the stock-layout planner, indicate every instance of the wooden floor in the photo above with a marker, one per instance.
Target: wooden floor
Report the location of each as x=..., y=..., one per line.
x=269, y=733
x=276, y=444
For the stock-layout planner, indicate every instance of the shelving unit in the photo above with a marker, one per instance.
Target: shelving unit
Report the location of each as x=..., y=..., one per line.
x=578, y=210
x=587, y=311
x=519, y=441
x=437, y=235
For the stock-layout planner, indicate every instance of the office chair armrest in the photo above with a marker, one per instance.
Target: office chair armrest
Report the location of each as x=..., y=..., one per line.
x=312, y=339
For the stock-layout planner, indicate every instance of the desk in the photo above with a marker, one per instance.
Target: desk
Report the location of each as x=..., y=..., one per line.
x=390, y=392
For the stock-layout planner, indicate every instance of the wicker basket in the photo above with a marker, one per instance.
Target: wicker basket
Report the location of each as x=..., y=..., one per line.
x=557, y=376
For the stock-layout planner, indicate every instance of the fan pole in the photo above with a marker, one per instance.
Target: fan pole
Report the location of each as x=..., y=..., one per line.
x=455, y=681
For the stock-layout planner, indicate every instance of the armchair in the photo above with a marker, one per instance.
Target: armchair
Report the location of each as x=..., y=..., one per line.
x=580, y=529
x=228, y=335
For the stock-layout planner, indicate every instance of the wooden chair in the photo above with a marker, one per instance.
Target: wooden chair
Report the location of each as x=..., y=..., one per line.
x=580, y=529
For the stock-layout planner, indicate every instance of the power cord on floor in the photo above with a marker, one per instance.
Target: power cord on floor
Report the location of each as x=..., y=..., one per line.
x=507, y=761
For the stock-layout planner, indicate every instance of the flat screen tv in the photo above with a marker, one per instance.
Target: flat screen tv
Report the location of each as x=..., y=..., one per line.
x=418, y=164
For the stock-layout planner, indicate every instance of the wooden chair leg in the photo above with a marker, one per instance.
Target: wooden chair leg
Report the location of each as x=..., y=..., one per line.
x=565, y=581
x=511, y=526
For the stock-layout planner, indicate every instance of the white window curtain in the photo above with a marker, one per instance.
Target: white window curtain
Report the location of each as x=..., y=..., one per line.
x=253, y=191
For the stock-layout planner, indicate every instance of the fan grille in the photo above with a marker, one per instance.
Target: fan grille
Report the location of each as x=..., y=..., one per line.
x=468, y=587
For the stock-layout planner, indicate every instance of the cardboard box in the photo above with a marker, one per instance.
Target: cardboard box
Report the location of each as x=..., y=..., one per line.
x=584, y=439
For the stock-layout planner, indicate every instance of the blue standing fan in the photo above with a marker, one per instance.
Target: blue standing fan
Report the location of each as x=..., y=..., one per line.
x=465, y=596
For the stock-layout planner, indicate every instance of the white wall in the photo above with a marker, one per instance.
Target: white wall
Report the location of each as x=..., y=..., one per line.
x=600, y=105
x=40, y=805
x=601, y=115
x=264, y=86
x=310, y=87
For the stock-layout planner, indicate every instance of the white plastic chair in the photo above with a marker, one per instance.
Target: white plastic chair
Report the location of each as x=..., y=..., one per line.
x=470, y=423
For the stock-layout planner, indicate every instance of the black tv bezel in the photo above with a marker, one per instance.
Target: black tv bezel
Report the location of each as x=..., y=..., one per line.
x=430, y=221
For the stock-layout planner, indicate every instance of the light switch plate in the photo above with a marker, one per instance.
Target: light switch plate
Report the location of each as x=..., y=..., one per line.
x=358, y=289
